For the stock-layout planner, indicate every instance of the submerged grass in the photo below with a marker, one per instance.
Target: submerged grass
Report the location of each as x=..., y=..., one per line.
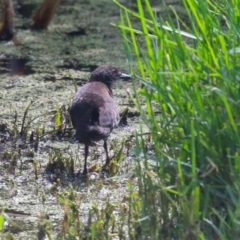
x=190, y=187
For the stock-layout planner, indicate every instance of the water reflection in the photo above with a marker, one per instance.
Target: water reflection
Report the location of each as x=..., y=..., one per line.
x=15, y=66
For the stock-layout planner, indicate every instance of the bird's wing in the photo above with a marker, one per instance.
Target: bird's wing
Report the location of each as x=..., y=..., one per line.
x=85, y=109
x=108, y=115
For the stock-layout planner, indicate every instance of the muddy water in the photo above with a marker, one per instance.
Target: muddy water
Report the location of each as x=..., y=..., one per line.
x=43, y=71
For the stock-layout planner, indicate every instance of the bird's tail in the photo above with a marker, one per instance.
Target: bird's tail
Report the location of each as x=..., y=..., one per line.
x=91, y=133
x=98, y=133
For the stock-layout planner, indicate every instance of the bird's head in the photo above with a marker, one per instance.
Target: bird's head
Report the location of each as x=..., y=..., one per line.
x=107, y=74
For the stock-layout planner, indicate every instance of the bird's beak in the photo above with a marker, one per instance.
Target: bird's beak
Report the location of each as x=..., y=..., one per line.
x=125, y=76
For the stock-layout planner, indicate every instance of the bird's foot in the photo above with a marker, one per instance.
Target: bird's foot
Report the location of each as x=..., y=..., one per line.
x=85, y=171
x=94, y=168
x=105, y=167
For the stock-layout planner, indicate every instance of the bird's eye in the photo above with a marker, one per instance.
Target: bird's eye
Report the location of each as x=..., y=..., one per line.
x=114, y=71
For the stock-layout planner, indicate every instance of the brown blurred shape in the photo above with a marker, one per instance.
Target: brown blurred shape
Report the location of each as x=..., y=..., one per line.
x=6, y=25
x=44, y=14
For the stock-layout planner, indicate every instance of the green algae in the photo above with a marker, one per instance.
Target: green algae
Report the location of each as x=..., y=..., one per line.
x=55, y=60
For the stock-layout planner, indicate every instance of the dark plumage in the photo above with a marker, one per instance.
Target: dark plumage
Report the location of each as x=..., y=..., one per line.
x=93, y=111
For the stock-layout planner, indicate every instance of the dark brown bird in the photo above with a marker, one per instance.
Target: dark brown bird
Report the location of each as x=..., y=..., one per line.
x=93, y=111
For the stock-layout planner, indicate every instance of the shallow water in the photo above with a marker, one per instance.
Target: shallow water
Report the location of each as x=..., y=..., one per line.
x=43, y=71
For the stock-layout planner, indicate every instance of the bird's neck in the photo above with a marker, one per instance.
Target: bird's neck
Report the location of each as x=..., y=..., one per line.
x=108, y=84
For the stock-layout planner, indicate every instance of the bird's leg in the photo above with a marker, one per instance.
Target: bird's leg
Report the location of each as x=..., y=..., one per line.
x=85, y=160
x=106, y=150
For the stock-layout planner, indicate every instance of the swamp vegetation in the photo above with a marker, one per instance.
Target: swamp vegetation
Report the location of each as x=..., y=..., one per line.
x=175, y=171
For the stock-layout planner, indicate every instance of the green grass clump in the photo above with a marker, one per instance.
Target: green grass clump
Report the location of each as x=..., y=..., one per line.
x=190, y=187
